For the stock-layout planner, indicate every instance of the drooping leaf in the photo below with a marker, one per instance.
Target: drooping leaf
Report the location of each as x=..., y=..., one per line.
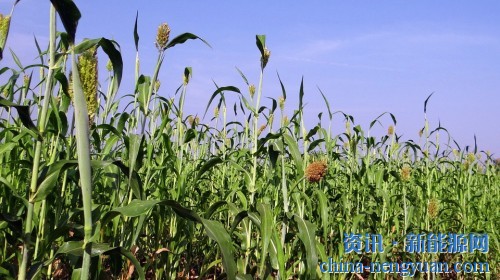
x=70, y=15
x=216, y=231
x=306, y=234
x=425, y=102
x=220, y=90
x=183, y=38
x=207, y=166
x=24, y=114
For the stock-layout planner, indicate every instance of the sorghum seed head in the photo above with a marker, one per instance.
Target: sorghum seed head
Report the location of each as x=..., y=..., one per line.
x=185, y=79
x=157, y=85
x=265, y=58
x=162, y=36
x=251, y=89
x=316, y=171
x=271, y=119
x=216, y=112
x=471, y=157
x=433, y=208
x=405, y=173
x=26, y=80
x=282, y=103
x=4, y=31
x=390, y=130
x=109, y=66
x=261, y=129
x=193, y=120
x=286, y=121
x=346, y=145
x=89, y=77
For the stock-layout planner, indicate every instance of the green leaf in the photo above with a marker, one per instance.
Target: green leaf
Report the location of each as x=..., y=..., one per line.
x=283, y=91
x=330, y=114
x=24, y=114
x=136, y=208
x=306, y=234
x=214, y=207
x=75, y=248
x=261, y=43
x=301, y=93
x=7, y=147
x=136, y=34
x=294, y=151
x=183, y=38
x=70, y=15
x=207, y=166
x=216, y=231
x=16, y=59
x=111, y=48
x=425, y=102
x=323, y=210
x=220, y=90
x=314, y=144
x=266, y=230
x=134, y=147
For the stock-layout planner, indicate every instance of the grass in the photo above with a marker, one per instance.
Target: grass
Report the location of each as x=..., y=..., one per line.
x=148, y=192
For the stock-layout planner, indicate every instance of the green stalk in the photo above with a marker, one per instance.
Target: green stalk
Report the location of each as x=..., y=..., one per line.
x=255, y=136
x=161, y=56
x=83, y=152
x=38, y=147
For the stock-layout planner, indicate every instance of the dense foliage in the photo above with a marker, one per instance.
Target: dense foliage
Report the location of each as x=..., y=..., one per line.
x=91, y=187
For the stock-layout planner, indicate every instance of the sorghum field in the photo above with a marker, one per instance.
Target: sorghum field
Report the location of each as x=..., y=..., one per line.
x=98, y=184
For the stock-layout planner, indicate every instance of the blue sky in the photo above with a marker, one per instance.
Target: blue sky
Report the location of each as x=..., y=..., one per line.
x=368, y=57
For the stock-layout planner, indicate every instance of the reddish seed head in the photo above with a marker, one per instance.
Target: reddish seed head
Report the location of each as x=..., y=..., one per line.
x=316, y=171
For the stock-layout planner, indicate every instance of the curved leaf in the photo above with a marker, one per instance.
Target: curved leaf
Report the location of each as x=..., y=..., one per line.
x=216, y=231
x=69, y=14
x=306, y=234
x=181, y=39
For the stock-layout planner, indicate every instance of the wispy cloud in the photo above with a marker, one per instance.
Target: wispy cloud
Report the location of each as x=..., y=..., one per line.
x=451, y=39
x=345, y=65
x=320, y=47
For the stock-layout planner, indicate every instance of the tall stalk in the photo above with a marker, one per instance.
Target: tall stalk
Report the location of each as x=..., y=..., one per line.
x=83, y=152
x=38, y=145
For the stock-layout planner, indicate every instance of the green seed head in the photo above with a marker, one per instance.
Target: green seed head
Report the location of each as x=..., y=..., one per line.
x=282, y=103
x=390, y=130
x=216, y=112
x=265, y=58
x=4, y=32
x=157, y=85
x=193, y=120
x=109, y=66
x=271, y=119
x=286, y=121
x=88, y=74
x=162, y=36
x=251, y=89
